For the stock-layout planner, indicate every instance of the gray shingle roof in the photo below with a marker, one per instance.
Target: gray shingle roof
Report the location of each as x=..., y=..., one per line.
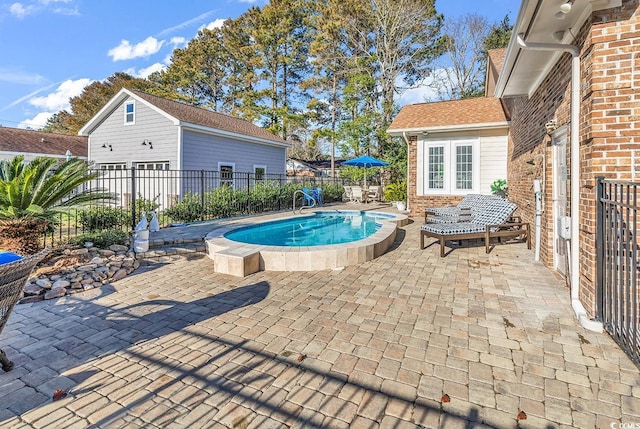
x=28, y=141
x=199, y=116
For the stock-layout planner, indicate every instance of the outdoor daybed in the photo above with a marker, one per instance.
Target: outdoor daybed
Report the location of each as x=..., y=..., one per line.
x=493, y=221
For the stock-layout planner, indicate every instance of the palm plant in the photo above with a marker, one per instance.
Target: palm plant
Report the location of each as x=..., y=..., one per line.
x=31, y=194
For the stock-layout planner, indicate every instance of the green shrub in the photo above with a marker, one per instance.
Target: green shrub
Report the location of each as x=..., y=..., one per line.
x=102, y=239
x=187, y=210
x=99, y=218
x=396, y=192
x=144, y=205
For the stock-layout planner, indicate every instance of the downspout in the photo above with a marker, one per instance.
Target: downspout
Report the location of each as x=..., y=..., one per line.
x=578, y=308
x=406, y=140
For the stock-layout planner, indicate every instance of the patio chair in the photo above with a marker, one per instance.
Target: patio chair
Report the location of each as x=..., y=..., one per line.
x=13, y=276
x=359, y=196
x=309, y=201
x=348, y=194
x=489, y=223
x=374, y=193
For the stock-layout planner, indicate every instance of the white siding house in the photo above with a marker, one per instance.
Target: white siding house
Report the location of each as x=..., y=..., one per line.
x=136, y=129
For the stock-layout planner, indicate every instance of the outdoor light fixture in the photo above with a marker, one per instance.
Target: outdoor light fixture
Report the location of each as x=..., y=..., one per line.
x=146, y=142
x=551, y=126
x=104, y=145
x=566, y=6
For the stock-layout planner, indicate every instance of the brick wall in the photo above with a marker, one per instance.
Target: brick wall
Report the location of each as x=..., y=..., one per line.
x=417, y=204
x=609, y=126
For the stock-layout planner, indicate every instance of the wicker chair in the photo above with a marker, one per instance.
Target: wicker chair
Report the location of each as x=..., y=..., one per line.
x=13, y=277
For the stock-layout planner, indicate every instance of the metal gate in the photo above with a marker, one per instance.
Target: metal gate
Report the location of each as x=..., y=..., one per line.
x=617, y=264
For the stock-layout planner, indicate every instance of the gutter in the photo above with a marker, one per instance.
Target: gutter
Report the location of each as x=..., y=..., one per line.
x=578, y=308
x=406, y=140
x=450, y=128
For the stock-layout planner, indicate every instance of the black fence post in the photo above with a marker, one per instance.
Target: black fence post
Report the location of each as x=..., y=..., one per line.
x=600, y=246
x=134, y=221
x=201, y=194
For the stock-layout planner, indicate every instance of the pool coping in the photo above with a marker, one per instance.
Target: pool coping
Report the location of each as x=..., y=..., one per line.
x=242, y=259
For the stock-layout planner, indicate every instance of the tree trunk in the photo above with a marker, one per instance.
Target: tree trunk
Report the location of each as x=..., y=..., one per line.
x=23, y=237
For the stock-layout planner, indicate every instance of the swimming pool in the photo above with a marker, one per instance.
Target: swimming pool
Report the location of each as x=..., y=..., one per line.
x=303, y=250
x=318, y=229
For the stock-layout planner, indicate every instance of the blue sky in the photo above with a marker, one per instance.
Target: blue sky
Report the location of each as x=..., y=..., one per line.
x=51, y=49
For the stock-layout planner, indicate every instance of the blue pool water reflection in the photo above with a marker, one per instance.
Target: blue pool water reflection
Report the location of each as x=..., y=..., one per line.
x=320, y=229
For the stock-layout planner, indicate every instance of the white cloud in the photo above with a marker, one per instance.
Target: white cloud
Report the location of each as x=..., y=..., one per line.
x=37, y=122
x=185, y=24
x=126, y=51
x=46, y=2
x=19, y=77
x=145, y=72
x=20, y=10
x=420, y=94
x=215, y=24
x=59, y=99
x=178, y=41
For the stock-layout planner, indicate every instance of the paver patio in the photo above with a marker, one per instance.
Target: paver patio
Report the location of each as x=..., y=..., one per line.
x=377, y=345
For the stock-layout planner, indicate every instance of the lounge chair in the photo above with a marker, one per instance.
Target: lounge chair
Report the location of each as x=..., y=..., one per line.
x=470, y=205
x=13, y=276
x=489, y=223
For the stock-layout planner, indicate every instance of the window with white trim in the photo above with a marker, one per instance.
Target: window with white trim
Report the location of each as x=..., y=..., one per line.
x=449, y=167
x=259, y=172
x=226, y=173
x=113, y=166
x=129, y=113
x=153, y=165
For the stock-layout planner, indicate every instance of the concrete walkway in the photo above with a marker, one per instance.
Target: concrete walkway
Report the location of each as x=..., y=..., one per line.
x=406, y=340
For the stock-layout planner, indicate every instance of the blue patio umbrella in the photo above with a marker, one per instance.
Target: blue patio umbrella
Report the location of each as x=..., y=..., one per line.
x=365, y=161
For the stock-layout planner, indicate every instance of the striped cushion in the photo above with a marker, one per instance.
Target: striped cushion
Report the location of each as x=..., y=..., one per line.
x=453, y=228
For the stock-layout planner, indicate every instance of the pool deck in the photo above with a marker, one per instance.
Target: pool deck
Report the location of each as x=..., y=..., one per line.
x=407, y=340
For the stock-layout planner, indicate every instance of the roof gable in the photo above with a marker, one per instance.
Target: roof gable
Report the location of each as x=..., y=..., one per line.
x=39, y=142
x=187, y=116
x=480, y=112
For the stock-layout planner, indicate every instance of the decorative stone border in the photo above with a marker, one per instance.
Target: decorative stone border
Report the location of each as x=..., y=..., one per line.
x=241, y=259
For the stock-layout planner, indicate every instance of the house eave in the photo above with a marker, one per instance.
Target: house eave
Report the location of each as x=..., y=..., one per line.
x=524, y=71
x=236, y=136
x=447, y=129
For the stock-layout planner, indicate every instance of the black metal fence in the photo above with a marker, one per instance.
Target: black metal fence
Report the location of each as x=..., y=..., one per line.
x=182, y=196
x=617, y=263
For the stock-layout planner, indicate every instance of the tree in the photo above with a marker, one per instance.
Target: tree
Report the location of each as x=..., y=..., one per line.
x=499, y=35
x=461, y=72
x=281, y=41
x=31, y=194
x=468, y=39
x=93, y=97
x=197, y=72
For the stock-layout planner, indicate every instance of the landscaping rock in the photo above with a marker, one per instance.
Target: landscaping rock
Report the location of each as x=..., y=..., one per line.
x=77, y=270
x=30, y=299
x=120, y=274
x=55, y=293
x=44, y=283
x=60, y=283
x=33, y=289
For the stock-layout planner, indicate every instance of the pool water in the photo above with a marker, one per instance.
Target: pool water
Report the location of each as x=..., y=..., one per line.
x=320, y=229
